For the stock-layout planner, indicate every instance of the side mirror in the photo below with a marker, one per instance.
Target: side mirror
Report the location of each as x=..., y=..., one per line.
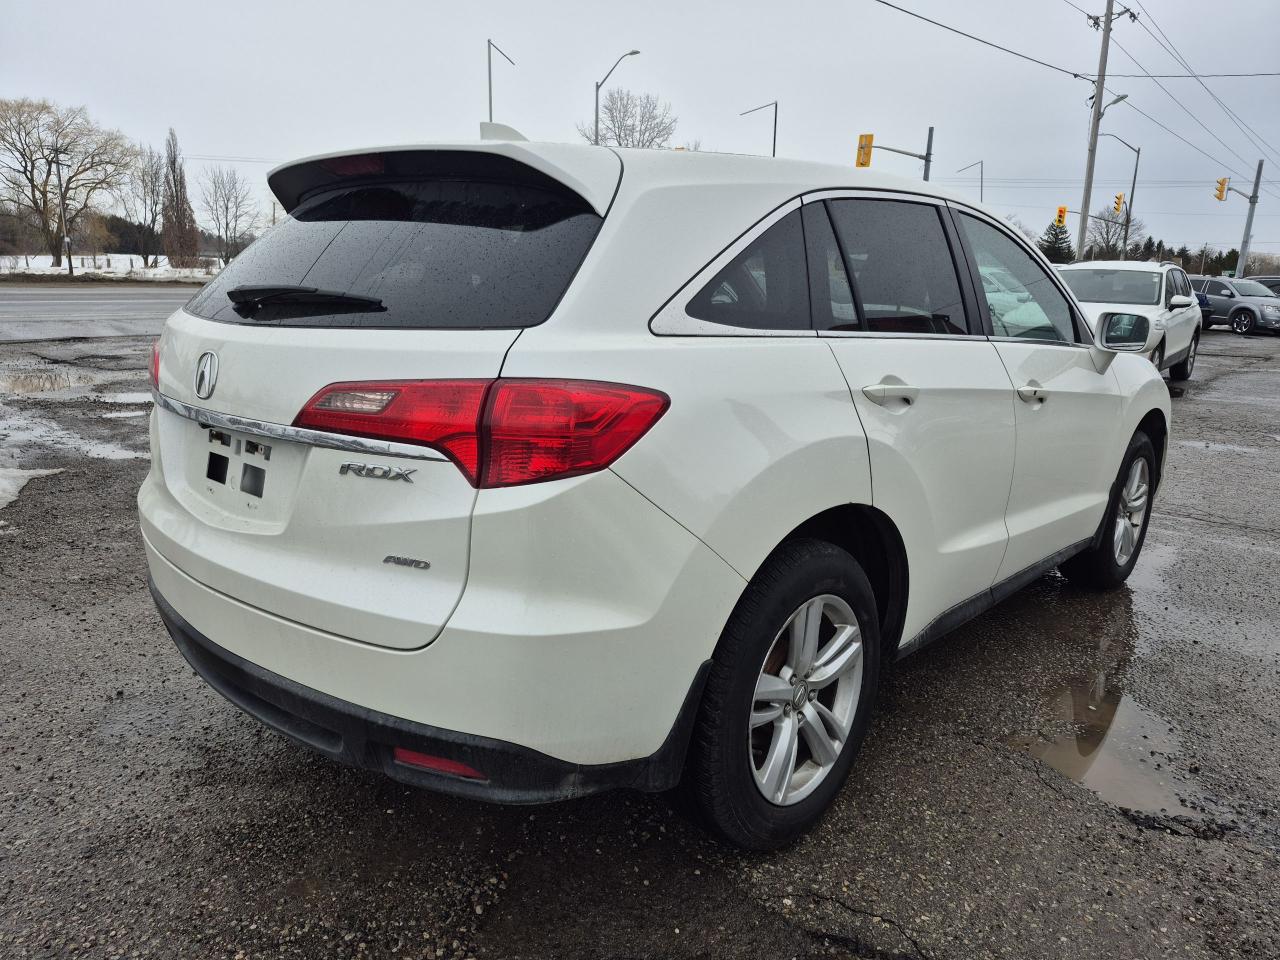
x=1229, y=295
x=1180, y=301
x=1125, y=332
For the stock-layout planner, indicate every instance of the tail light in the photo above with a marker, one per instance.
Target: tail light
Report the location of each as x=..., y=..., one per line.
x=155, y=364
x=501, y=432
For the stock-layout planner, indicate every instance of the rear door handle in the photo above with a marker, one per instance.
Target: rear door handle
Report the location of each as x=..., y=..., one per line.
x=885, y=393
x=1032, y=393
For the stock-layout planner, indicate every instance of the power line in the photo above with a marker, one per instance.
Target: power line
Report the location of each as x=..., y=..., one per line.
x=1191, y=76
x=988, y=43
x=1182, y=106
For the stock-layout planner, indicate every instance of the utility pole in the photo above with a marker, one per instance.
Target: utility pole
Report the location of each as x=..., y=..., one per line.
x=62, y=204
x=489, y=48
x=1099, y=88
x=1248, y=222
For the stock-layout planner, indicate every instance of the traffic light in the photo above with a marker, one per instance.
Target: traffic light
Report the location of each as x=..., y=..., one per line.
x=1221, y=192
x=864, y=149
x=1119, y=202
x=1061, y=219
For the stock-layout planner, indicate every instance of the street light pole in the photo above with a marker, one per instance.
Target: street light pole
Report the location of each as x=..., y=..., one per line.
x=601, y=83
x=773, y=104
x=981, y=178
x=489, y=48
x=1133, y=188
x=928, y=154
x=1099, y=87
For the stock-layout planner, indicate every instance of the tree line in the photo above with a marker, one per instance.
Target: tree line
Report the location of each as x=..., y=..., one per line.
x=61, y=174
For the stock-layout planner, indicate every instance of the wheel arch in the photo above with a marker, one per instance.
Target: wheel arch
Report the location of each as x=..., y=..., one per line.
x=872, y=538
x=1156, y=426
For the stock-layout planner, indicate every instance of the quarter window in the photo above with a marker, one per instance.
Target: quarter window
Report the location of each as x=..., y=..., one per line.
x=899, y=261
x=765, y=287
x=1028, y=304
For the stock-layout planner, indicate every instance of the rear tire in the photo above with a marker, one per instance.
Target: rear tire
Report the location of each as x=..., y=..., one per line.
x=1182, y=369
x=1107, y=565
x=1242, y=322
x=733, y=744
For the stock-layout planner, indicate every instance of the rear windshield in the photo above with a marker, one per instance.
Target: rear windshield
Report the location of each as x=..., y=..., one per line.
x=1140, y=287
x=437, y=252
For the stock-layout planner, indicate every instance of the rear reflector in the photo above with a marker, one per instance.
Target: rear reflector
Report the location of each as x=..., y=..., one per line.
x=155, y=364
x=499, y=432
x=427, y=761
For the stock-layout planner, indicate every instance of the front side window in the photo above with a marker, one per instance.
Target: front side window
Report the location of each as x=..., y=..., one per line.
x=1030, y=305
x=1216, y=288
x=897, y=255
x=765, y=287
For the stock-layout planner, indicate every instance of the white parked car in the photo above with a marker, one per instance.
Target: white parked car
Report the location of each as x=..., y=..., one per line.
x=520, y=471
x=1161, y=292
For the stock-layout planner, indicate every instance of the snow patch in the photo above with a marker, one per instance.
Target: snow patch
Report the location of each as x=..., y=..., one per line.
x=121, y=414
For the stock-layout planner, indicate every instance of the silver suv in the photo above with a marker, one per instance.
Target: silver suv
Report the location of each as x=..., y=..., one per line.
x=1246, y=305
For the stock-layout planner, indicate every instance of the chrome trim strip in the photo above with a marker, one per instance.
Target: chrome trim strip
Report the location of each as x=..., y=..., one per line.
x=854, y=193
x=887, y=335
x=278, y=431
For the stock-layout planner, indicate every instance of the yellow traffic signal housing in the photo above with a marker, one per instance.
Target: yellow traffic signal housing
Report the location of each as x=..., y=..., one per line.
x=1221, y=192
x=1061, y=219
x=864, y=149
x=1119, y=202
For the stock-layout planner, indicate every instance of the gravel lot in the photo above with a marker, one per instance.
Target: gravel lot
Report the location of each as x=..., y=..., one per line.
x=1071, y=775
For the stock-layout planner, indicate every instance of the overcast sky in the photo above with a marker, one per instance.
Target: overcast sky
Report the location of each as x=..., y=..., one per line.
x=281, y=80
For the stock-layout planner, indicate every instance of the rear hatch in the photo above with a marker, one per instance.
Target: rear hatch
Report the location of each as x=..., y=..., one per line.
x=392, y=266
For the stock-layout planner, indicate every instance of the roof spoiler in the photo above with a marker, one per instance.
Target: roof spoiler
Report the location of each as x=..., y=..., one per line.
x=590, y=172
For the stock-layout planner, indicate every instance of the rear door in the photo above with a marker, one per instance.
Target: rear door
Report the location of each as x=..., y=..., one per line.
x=1067, y=413
x=421, y=267
x=934, y=399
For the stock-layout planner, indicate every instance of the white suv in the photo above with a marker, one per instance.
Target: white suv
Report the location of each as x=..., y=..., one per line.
x=520, y=471
x=1161, y=292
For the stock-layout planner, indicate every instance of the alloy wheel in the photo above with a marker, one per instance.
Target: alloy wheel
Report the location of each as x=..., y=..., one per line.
x=1131, y=510
x=1241, y=323
x=1191, y=355
x=805, y=700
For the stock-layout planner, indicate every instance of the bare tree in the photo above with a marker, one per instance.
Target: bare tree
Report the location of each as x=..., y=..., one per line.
x=1105, y=236
x=36, y=138
x=227, y=200
x=141, y=198
x=181, y=236
x=632, y=120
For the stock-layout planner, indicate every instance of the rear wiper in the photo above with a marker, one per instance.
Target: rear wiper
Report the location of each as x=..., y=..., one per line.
x=252, y=296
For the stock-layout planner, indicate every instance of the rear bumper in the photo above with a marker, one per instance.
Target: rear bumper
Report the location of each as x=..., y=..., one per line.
x=365, y=738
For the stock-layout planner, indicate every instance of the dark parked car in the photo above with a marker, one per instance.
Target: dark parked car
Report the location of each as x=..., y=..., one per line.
x=1271, y=283
x=1245, y=305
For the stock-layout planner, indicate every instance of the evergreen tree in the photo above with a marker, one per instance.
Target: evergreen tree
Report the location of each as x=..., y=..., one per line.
x=1148, y=251
x=180, y=234
x=1055, y=244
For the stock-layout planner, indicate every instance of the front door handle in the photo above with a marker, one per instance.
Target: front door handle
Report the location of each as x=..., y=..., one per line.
x=886, y=393
x=1033, y=393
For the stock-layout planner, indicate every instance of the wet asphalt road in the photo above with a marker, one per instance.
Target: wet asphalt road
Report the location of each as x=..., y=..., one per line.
x=140, y=814
x=39, y=311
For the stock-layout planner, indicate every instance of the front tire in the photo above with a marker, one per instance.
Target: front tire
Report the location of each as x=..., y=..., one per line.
x=1182, y=369
x=1157, y=358
x=1242, y=322
x=787, y=704
x=1124, y=529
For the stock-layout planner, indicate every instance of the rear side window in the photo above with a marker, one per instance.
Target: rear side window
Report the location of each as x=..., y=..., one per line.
x=765, y=287
x=897, y=255
x=438, y=253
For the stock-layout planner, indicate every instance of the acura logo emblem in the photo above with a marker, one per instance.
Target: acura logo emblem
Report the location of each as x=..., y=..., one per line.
x=206, y=375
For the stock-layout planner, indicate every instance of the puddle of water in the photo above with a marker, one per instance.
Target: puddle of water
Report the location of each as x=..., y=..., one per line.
x=13, y=479
x=1118, y=749
x=20, y=431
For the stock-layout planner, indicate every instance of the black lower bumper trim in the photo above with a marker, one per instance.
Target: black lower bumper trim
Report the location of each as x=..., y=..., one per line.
x=360, y=737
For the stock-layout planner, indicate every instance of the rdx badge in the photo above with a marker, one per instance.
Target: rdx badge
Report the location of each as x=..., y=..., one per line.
x=377, y=471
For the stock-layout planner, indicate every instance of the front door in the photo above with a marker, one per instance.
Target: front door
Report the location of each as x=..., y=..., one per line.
x=933, y=397
x=1067, y=413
